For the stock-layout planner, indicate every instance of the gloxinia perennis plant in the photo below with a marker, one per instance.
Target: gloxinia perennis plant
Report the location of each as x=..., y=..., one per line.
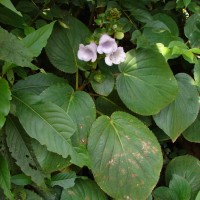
x=107, y=45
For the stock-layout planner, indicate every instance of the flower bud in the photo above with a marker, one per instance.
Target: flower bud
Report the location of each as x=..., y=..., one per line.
x=119, y=35
x=99, y=78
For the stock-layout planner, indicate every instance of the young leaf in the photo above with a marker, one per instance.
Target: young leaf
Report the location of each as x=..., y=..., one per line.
x=5, y=97
x=37, y=83
x=181, y=187
x=19, y=146
x=182, y=112
x=84, y=189
x=5, y=178
x=21, y=179
x=47, y=123
x=64, y=179
x=62, y=46
x=38, y=39
x=187, y=167
x=146, y=83
x=125, y=155
x=13, y=50
x=197, y=74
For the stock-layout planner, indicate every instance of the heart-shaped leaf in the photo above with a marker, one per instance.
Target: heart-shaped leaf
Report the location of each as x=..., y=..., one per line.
x=182, y=112
x=125, y=155
x=146, y=83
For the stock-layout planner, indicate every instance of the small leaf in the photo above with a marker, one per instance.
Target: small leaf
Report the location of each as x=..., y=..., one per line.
x=181, y=187
x=21, y=179
x=64, y=180
x=125, y=155
x=30, y=195
x=197, y=74
x=5, y=178
x=13, y=50
x=182, y=112
x=84, y=189
x=38, y=39
x=187, y=167
x=64, y=43
x=5, y=97
x=19, y=146
x=146, y=70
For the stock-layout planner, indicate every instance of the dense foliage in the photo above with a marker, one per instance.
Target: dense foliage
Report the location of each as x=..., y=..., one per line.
x=80, y=119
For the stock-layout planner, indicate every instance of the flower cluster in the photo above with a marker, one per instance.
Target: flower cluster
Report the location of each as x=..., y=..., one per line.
x=107, y=45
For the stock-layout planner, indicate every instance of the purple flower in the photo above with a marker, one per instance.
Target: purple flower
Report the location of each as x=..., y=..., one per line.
x=107, y=45
x=88, y=52
x=115, y=57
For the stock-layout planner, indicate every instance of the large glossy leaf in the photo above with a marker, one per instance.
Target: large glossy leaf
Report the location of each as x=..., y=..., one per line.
x=187, y=167
x=192, y=133
x=36, y=83
x=47, y=123
x=5, y=178
x=49, y=161
x=146, y=83
x=78, y=104
x=126, y=157
x=5, y=97
x=13, y=50
x=19, y=146
x=84, y=189
x=182, y=112
x=38, y=39
x=63, y=45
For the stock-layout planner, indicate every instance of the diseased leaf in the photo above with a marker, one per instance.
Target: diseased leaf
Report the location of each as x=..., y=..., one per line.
x=182, y=112
x=19, y=146
x=5, y=184
x=5, y=97
x=84, y=189
x=146, y=84
x=125, y=155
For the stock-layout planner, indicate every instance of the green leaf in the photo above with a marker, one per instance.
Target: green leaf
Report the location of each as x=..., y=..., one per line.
x=30, y=195
x=53, y=122
x=84, y=189
x=19, y=146
x=64, y=179
x=37, y=83
x=181, y=187
x=21, y=179
x=49, y=161
x=186, y=2
x=5, y=178
x=192, y=132
x=187, y=167
x=63, y=45
x=8, y=4
x=78, y=104
x=164, y=193
x=182, y=112
x=5, y=97
x=198, y=196
x=13, y=50
x=38, y=39
x=146, y=70
x=126, y=157
x=197, y=74
x=105, y=86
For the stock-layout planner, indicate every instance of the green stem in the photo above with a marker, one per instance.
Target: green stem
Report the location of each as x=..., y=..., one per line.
x=77, y=79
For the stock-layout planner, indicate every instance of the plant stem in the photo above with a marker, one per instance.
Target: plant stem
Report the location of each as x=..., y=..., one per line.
x=77, y=79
